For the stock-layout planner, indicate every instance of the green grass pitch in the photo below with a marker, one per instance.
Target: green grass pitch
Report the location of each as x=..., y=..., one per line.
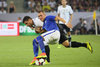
x=18, y=52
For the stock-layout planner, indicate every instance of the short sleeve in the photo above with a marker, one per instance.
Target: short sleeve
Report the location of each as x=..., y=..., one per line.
x=58, y=10
x=71, y=11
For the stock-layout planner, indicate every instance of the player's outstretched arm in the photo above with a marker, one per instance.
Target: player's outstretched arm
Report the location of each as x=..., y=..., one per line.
x=61, y=19
x=71, y=15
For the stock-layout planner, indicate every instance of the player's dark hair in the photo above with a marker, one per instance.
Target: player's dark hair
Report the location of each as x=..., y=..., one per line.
x=26, y=18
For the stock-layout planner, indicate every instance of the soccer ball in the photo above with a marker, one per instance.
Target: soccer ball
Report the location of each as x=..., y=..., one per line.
x=40, y=61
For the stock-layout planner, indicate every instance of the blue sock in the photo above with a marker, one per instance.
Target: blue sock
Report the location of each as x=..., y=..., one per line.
x=35, y=48
x=41, y=44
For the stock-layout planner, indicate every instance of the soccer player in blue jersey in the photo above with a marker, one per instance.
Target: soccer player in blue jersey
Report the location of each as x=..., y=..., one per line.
x=50, y=34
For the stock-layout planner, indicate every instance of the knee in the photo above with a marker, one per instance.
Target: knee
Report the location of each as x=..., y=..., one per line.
x=35, y=41
x=65, y=43
x=69, y=33
x=39, y=38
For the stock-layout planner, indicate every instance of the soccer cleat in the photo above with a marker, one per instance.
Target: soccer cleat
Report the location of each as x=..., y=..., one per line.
x=42, y=55
x=89, y=47
x=46, y=62
x=33, y=61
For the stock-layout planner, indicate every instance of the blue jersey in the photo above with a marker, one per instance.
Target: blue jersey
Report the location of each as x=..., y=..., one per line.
x=50, y=23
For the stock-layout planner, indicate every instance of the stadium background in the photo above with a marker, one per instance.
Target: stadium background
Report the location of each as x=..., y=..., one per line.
x=82, y=9
x=16, y=51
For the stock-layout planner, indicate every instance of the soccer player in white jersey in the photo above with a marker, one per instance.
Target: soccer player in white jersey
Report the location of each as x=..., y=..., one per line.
x=37, y=22
x=65, y=11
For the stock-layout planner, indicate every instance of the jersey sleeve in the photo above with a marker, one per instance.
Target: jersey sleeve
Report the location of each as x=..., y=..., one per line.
x=58, y=10
x=71, y=11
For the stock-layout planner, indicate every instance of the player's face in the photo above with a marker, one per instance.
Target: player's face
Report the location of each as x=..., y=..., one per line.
x=29, y=22
x=41, y=16
x=63, y=2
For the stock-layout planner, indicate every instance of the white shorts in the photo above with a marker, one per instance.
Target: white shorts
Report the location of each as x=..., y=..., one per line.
x=51, y=37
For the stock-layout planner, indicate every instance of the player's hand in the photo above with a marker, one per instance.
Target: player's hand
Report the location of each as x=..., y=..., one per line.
x=32, y=28
x=38, y=30
x=69, y=25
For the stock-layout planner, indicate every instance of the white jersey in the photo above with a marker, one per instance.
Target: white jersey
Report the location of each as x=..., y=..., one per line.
x=37, y=22
x=65, y=13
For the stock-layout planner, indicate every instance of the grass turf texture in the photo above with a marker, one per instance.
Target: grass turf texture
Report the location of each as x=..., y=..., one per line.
x=18, y=52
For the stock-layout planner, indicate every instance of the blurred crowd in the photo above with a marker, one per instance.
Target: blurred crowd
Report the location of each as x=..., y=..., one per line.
x=37, y=5
x=51, y=5
x=81, y=27
x=7, y=8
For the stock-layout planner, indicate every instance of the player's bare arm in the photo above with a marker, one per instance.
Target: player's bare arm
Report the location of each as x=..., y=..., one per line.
x=61, y=19
x=71, y=15
x=39, y=30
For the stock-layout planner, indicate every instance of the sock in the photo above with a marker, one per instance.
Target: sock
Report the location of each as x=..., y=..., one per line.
x=47, y=49
x=41, y=44
x=69, y=38
x=35, y=48
x=75, y=44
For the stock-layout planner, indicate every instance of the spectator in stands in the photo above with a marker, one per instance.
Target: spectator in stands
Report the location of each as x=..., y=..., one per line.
x=52, y=4
x=31, y=4
x=38, y=7
x=19, y=19
x=11, y=8
x=77, y=28
x=83, y=29
x=75, y=9
x=2, y=11
x=80, y=28
x=77, y=5
x=81, y=9
x=32, y=10
x=3, y=4
x=25, y=5
x=46, y=7
x=38, y=1
x=44, y=1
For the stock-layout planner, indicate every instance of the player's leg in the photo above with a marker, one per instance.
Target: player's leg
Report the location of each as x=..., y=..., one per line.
x=36, y=42
x=63, y=40
x=75, y=44
x=49, y=37
x=47, y=50
x=69, y=37
x=65, y=30
x=35, y=50
x=40, y=40
x=61, y=30
x=68, y=30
